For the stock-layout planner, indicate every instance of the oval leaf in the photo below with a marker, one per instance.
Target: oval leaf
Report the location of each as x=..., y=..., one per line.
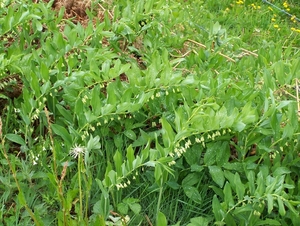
x=15, y=138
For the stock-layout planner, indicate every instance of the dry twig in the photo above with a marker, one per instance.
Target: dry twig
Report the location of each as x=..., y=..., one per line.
x=249, y=52
x=197, y=43
x=227, y=57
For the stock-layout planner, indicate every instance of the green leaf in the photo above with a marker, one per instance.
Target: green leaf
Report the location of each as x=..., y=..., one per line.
x=268, y=221
x=223, y=154
x=191, y=179
x=15, y=138
x=65, y=113
x=161, y=219
x=281, y=207
x=270, y=203
x=239, y=186
x=130, y=156
x=168, y=133
x=44, y=71
x=118, y=162
x=280, y=171
x=217, y=175
x=192, y=193
x=106, y=109
x=135, y=207
x=199, y=221
x=196, y=168
x=96, y=100
x=228, y=198
x=130, y=134
x=260, y=189
x=279, y=69
x=21, y=198
x=122, y=208
x=217, y=209
x=210, y=154
x=63, y=133
x=291, y=207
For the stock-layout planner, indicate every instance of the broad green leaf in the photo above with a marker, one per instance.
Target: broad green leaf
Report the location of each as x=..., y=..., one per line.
x=217, y=209
x=271, y=183
x=260, y=189
x=192, y=193
x=246, y=208
x=239, y=186
x=191, y=179
x=230, y=220
x=268, y=222
x=94, y=143
x=96, y=102
x=15, y=138
x=291, y=207
x=44, y=71
x=118, y=162
x=217, y=175
x=135, y=207
x=130, y=134
x=130, y=156
x=280, y=171
x=193, y=154
x=210, y=154
x=228, y=198
x=122, y=208
x=161, y=219
x=196, y=168
x=223, y=154
x=63, y=133
x=21, y=198
x=199, y=221
x=111, y=94
x=270, y=203
x=281, y=207
x=168, y=133
x=106, y=109
x=279, y=69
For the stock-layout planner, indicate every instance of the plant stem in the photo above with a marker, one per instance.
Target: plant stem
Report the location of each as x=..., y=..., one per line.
x=80, y=190
x=159, y=200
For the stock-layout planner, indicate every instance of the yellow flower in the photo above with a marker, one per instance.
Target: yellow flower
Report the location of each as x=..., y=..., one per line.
x=273, y=19
x=276, y=26
x=296, y=30
x=293, y=19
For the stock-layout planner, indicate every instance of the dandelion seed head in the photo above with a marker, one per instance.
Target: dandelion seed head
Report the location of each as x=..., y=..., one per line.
x=76, y=151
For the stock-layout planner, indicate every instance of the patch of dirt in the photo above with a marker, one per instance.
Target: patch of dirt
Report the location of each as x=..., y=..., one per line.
x=75, y=10
x=10, y=87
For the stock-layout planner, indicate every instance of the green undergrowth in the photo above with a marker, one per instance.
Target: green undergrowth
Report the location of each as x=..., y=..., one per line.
x=154, y=113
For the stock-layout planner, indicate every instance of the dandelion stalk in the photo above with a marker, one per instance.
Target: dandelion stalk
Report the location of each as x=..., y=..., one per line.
x=78, y=152
x=79, y=185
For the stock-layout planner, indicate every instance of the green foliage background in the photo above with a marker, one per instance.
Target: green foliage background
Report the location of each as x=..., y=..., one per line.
x=174, y=112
